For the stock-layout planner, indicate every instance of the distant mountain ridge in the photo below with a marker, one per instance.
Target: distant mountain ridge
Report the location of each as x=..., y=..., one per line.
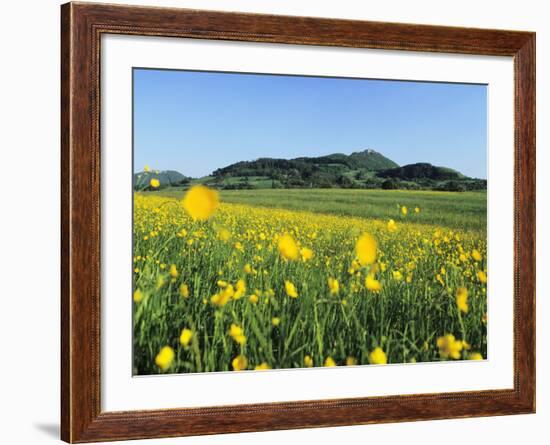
x=367, y=169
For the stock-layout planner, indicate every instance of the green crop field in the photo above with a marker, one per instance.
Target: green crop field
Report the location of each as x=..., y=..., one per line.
x=462, y=211
x=307, y=277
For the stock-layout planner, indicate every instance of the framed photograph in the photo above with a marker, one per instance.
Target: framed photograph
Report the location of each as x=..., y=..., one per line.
x=274, y=222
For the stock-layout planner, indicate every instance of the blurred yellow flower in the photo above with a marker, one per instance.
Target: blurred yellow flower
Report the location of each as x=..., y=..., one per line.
x=308, y=361
x=186, y=336
x=262, y=367
x=372, y=284
x=173, y=271
x=481, y=276
x=397, y=275
x=224, y=234
x=291, y=289
x=392, y=226
x=288, y=247
x=200, y=202
x=275, y=321
x=165, y=358
x=223, y=297
x=351, y=361
x=378, y=356
x=306, y=254
x=146, y=168
x=404, y=210
x=449, y=347
x=475, y=356
x=253, y=298
x=155, y=183
x=184, y=291
x=247, y=269
x=365, y=249
x=138, y=296
x=333, y=286
x=240, y=289
x=329, y=362
x=476, y=255
x=462, y=299
x=237, y=334
x=239, y=363
x=417, y=210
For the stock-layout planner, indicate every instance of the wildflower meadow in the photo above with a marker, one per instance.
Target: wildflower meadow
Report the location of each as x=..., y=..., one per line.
x=238, y=280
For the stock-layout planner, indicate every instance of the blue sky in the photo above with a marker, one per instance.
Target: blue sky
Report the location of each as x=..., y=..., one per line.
x=195, y=122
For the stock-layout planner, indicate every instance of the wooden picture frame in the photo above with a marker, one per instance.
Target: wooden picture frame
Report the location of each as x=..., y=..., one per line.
x=82, y=25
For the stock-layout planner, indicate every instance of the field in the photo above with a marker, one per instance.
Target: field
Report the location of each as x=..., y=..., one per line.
x=299, y=278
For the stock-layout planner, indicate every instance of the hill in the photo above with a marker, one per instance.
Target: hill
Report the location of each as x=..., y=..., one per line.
x=166, y=178
x=427, y=176
x=421, y=170
x=335, y=170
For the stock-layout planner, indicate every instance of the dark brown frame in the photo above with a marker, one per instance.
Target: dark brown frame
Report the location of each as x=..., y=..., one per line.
x=82, y=25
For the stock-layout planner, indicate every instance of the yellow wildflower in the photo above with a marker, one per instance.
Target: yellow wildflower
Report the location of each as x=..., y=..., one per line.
x=237, y=334
x=240, y=289
x=146, y=168
x=239, y=363
x=186, y=336
x=397, y=275
x=476, y=255
x=404, y=210
x=247, y=268
x=417, y=210
x=308, y=361
x=165, y=358
x=223, y=297
x=155, y=183
x=329, y=362
x=291, y=289
x=262, y=367
x=365, y=249
x=481, y=276
x=392, y=227
x=253, y=298
x=306, y=254
x=333, y=286
x=288, y=247
x=138, y=296
x=378, y=356
x=173, y=271
x=475, y=356
x=372, y=284
x=200, y=202
x=462, y=299
x=449, y=347
x=275, y=321
x=351, y=361
x=184, y=290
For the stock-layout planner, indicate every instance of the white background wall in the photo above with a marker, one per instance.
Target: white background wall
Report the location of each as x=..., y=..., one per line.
x=29, y=217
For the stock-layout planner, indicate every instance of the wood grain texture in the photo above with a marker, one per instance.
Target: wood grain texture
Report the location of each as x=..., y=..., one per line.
x=81, y=28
